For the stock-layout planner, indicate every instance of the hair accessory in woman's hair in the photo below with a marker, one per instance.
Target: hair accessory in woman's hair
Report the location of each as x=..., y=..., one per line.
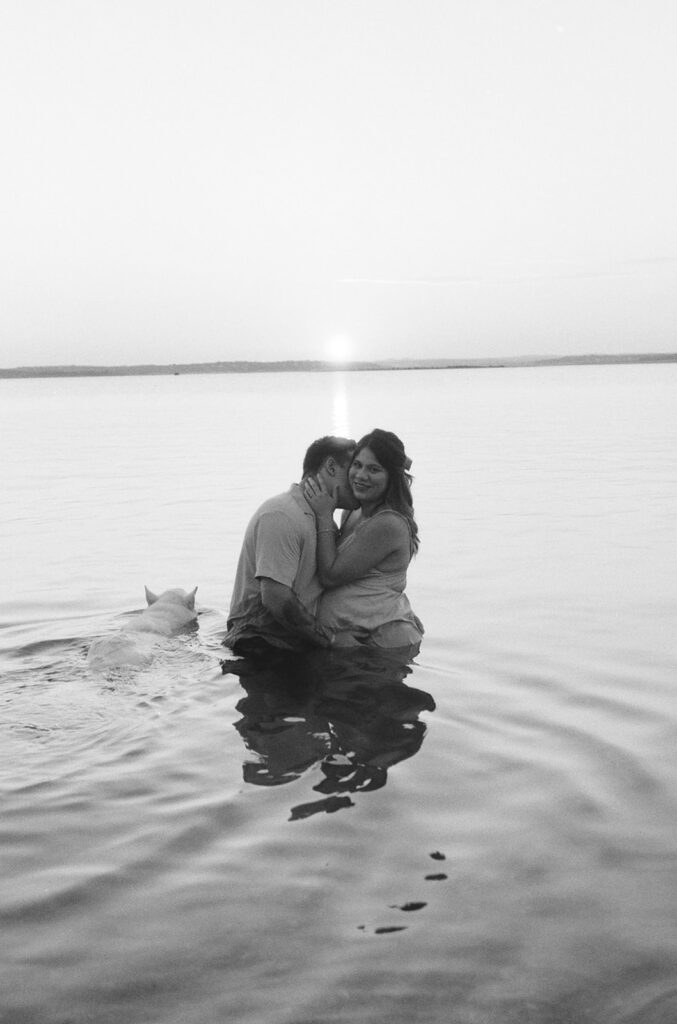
x=407, y=462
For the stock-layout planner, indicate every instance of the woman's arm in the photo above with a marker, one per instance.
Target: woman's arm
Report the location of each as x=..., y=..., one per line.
x=374, y=541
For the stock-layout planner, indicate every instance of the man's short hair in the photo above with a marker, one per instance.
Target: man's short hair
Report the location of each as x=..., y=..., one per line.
x=342, y=449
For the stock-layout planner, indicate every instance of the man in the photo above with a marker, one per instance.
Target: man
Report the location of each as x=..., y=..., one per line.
x=276, y=587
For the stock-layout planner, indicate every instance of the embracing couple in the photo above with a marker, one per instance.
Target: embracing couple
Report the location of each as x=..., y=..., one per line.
x=304, y=583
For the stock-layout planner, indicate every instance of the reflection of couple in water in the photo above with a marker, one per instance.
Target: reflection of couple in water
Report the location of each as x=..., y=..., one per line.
x=348, y=712
x=320, y=616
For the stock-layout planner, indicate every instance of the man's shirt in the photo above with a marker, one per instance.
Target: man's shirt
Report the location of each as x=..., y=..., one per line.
x=280, y=544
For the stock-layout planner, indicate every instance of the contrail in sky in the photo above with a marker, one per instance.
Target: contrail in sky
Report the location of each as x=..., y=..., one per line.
x=509, y=272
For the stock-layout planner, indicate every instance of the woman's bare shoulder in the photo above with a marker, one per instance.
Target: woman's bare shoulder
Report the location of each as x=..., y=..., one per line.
x=389, y=519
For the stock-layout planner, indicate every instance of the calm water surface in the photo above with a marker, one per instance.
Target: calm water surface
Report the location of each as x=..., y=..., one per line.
x=485, y=836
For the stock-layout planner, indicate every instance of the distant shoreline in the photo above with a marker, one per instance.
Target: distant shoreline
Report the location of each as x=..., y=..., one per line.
x=317, y=366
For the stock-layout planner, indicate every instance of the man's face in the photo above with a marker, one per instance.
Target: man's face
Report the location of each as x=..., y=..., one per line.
x=336, y=478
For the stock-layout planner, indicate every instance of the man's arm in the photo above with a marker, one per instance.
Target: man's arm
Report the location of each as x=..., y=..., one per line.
x=283, y=604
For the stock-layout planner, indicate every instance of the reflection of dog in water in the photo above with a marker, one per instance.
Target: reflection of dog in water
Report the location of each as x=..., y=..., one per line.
x=352, y=715
x=167, y=613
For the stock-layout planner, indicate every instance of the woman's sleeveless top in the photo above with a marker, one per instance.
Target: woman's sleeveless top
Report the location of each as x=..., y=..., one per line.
x=373, y=610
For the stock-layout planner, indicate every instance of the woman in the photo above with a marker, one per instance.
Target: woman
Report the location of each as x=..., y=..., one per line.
x=363, y=568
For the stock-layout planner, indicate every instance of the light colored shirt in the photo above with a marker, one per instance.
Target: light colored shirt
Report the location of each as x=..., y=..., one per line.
x=280, y=544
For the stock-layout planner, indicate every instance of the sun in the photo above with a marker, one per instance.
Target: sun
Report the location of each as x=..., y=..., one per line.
x=339, y=348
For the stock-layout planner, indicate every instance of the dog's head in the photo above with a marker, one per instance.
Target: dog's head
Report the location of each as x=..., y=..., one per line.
x=173, y=596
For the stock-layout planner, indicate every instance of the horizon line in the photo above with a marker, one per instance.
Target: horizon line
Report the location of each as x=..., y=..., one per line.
x=300, y=365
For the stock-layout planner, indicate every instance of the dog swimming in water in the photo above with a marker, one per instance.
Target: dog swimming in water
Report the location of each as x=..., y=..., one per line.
x=132, y=646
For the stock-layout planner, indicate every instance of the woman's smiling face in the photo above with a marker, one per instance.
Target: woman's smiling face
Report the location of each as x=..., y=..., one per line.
x=368, y=479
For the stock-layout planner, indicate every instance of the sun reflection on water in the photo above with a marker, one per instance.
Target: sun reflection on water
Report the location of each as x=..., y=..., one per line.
x=340, y=406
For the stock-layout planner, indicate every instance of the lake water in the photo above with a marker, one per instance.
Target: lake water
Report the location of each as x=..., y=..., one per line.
x=487, y=836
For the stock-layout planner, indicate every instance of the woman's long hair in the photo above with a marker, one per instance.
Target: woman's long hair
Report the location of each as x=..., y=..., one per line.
x=390, y=452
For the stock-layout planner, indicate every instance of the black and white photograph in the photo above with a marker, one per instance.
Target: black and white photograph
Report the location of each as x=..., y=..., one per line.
x=338, y=515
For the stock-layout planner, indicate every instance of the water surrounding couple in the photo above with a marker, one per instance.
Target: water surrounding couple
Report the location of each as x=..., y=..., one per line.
x=303, y=582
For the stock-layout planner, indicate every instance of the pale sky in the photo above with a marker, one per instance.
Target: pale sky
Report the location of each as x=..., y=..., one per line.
x=196, y=180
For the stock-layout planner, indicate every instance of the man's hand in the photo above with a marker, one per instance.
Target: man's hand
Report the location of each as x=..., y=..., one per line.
x=285, y=607
x=320, y=498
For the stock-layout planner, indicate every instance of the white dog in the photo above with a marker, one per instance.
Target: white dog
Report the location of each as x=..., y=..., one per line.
x=167, y=613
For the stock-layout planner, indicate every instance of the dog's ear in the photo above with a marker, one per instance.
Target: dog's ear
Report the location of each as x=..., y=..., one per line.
x=190, y=598
x=151, y=598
